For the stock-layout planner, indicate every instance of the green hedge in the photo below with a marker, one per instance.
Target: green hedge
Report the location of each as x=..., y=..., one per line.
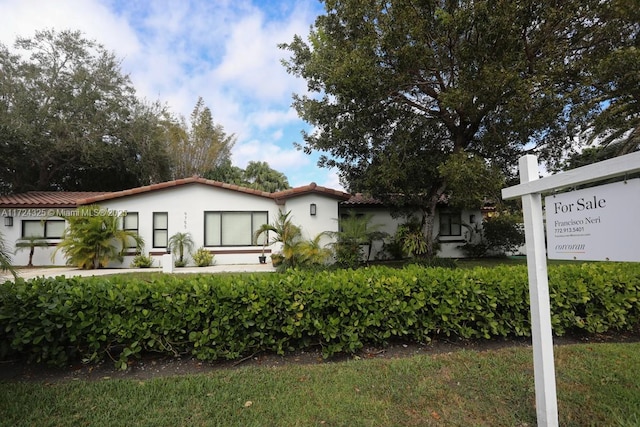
x=228, y=316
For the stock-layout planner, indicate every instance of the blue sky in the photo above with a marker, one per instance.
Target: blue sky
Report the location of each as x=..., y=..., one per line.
x=223, y=50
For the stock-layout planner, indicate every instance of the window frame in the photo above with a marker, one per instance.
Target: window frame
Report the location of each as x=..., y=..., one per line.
x=155, y=229
x=451, y=215
x=45, y=228
x=132, y=242
x=256, y=222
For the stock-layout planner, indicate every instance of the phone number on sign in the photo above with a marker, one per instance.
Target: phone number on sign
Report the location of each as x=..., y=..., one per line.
x=18, y=212
x=568, y=230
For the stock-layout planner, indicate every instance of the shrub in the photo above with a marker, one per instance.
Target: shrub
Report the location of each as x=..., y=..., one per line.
x=412, y=238
x=276, y=259
x=475, y=250
x=284, y=232
x=356, y=233
x=202, y=257
x=6, y=263
x=142, y=261
x=436, y=262
x=227, y=316
x=94, y=238
x=503, y=233
x=312, y=253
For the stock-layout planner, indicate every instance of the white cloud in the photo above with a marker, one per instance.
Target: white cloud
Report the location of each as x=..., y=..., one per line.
x=278, y=158
x=332, y=180
x=252, y=60
x=223, y=50
x=24, y=17
x=269, y=118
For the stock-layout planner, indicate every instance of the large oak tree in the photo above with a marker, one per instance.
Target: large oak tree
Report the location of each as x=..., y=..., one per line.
x=399, y=89
x=70, y=120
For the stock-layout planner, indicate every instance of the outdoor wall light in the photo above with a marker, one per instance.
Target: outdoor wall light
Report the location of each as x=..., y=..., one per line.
x=313, y=209
x=8, y=221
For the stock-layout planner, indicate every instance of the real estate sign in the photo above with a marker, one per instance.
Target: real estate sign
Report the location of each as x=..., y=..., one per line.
x=599, y=223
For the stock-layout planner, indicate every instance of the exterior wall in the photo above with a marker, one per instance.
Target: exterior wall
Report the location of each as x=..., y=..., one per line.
x=42, y=256
x=325, y=219
x=185, y=206
x=449, y=245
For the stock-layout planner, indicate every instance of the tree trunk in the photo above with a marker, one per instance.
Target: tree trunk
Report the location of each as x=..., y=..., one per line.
x=429, y=218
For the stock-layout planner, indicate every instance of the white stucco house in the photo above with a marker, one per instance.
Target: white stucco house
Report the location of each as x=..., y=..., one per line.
x=220, y=217
x=452, y=228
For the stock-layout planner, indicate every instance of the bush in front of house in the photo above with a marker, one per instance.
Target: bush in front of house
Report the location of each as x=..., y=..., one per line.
x=142, y=261
x=500, y=234
x=202, y=257
x=503, y=233
x=227, y=316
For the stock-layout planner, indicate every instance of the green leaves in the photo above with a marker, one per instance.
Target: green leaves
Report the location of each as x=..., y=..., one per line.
x=227, y=316
x=93, y=238
x=198, y=146
x=70, y=119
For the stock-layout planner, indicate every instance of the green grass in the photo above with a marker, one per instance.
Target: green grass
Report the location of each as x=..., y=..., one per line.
x=598, y=385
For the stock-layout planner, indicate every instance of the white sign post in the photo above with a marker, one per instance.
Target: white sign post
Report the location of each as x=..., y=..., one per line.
x=541, y=333
x=530, y=189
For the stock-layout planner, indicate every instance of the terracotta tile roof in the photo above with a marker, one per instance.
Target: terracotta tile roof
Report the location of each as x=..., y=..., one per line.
x=171, y=184
x=360, y=199
x=46, y=199
x=280, y=196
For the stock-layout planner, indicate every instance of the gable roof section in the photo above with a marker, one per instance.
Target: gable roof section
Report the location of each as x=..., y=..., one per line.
x=313, y=188
x=46, y=199
x=68, y=199
x=172, y=184
x=361, y=200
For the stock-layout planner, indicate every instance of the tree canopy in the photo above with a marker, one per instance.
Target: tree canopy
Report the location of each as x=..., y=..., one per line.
x=258, y=175
x=608, y=98
x=398, y=89
x=69, y=118
x=198, y=146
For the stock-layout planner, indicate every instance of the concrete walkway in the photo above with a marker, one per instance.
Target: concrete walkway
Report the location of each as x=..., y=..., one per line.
x=30, y=273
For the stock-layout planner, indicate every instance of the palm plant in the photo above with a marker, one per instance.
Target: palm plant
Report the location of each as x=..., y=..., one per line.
x=31, y=243
x=312, y=252
x=286, y=233
x=412, y=239
x=5, y=258
x=180, y=242
x=91, y=241
x=355, y=232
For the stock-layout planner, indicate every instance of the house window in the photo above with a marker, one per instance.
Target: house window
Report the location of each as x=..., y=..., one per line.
x=47, y=229
x=160, y=229
x=233, y=228
x=354, y=217
x=130, y=223
x=450, y=223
